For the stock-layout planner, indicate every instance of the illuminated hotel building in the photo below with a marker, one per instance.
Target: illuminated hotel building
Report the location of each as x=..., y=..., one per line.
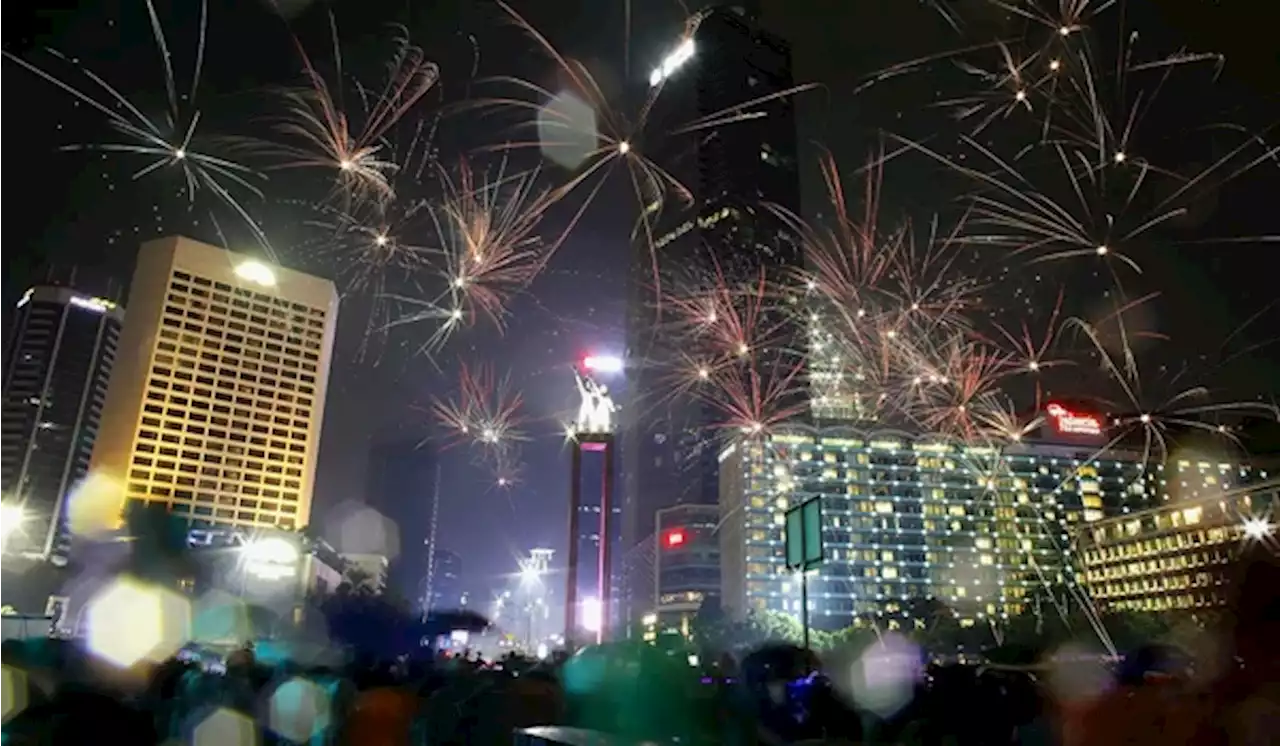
x=215, y=405
x=58, y=362
x=1177, y=556
x=983, y=530
x=723, y=238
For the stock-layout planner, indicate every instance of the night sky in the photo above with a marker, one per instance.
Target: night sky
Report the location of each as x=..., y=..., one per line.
x=81, y=210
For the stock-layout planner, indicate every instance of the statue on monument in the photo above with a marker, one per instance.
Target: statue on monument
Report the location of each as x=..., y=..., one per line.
x=595, y=411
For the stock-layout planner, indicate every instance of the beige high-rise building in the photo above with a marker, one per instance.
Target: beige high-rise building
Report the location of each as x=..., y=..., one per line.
x=217, y=397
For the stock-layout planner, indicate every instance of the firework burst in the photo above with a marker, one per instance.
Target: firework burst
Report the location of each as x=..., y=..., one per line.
x=489, y=231
x=161, y=143
x=1156, y=412
x=484, y=411
x=323, y=127
x=1087, y=183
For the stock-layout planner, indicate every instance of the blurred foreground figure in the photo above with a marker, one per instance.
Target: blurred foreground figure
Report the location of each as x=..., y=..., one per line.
x=1235, y=703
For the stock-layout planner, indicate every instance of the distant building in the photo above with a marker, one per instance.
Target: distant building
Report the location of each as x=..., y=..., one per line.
x=401, y=484
x=58, y=362
x=216, y=401
x=723, y=238
x=1179, y=556
x=686, y=564
x=370, y=571
x=446, y=592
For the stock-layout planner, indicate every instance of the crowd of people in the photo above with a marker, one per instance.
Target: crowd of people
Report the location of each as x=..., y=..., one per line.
x=57, y=692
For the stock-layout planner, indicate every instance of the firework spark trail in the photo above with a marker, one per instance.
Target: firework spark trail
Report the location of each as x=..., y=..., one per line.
x=754, y=403
x=1157, y=417
x=617, y=137
x=321, y=132
x=168, y=143
x=941, y=372
x=486, y=248
x=484, y=412
x=1076, y=191
x=507, y=470
x=889, y=332
x=489, y=231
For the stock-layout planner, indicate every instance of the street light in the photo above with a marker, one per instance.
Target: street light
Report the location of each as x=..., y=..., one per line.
x=11, y=517
x=530, y=575
x=1257, y=528
x=270, y=558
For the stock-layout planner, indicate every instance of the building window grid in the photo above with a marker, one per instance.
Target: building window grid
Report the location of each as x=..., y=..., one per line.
x=263, y=489
x=1014, y=488
x=1170, y=558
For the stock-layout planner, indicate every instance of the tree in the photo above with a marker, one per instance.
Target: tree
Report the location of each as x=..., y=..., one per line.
x=711, y=626
x=159, y=551
x=935, y=626
x=852, y=638
x=355, y=580
x=1133, y=629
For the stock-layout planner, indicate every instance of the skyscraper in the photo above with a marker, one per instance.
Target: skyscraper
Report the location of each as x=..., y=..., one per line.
x=216, y=401
x=400, y=483
x=58, y=363
x=727, y=238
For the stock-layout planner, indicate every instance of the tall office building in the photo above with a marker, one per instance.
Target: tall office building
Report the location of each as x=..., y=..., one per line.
x=726, y=238
x=217, y=398
x=58, y=363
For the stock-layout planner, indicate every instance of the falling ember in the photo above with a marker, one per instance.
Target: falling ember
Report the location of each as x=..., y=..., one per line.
x=1120, y=157
x=1055, y=65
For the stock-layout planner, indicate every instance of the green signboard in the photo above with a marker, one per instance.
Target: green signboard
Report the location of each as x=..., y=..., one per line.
x=804, y=535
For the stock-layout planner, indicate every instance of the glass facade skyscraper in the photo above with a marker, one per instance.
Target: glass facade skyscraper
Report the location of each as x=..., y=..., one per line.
x=59, y=360
x=725, y=236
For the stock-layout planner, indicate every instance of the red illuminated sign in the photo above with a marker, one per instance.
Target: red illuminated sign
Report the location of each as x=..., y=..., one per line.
x=1073, y=423
x=674, y=538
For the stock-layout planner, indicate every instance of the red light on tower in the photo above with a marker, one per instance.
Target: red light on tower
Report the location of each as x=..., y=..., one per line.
x=674, y=538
